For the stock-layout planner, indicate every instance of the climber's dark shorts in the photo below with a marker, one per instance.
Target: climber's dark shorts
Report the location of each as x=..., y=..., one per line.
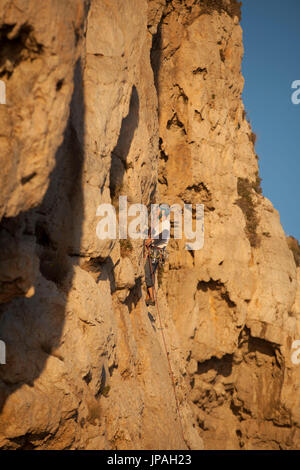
x=148, y=273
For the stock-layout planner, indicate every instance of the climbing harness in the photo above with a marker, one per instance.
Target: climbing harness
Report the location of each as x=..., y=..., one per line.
x=165, y=346
x=156, y=254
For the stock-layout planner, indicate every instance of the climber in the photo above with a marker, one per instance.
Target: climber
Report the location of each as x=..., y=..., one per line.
x=155, y=248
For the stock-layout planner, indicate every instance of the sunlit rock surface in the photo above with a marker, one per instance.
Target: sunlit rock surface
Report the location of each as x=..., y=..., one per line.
x=138, y=98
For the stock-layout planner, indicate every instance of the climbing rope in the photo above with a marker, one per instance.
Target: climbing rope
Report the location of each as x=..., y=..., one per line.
x=166, y=349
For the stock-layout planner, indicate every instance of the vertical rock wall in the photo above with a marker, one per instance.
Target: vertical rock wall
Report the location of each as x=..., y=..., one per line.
x=233, y=302
x=140, y=99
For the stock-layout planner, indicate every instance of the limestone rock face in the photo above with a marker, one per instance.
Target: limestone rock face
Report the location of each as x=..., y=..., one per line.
x=38, y=51
x=234, y=301
x=137, y=98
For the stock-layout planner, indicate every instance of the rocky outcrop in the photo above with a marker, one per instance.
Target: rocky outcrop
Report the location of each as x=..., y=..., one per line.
x=233, y=302
x=141, y=98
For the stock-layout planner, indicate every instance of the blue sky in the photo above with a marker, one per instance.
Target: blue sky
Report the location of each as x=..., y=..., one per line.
x=271, y=32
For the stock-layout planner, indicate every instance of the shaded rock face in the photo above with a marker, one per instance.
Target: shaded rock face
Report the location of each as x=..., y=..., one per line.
x=138, y=98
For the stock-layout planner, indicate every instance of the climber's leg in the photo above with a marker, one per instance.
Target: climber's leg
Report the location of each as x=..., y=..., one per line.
x=150, y=294
x=150, y=279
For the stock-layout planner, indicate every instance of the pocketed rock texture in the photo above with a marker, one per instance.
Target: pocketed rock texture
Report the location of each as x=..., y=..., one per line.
x=138, y=98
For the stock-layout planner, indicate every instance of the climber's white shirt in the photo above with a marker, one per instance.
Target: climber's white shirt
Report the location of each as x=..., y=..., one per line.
x=162, y=228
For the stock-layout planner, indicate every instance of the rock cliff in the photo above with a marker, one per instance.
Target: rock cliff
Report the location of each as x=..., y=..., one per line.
x=139, y=98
